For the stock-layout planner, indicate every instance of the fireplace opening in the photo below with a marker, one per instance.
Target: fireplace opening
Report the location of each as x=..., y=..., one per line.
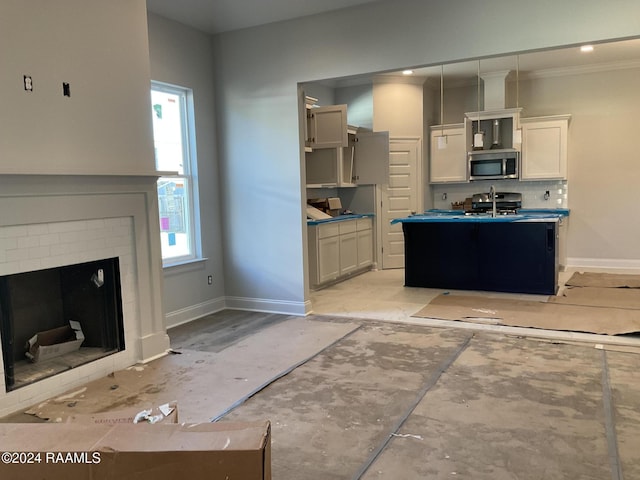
x=60, y=318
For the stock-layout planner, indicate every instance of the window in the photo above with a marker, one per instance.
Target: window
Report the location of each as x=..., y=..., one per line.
x=175, y=152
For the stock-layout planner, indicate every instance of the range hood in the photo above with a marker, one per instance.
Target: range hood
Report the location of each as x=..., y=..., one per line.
x=493, y=129
x=495, y=86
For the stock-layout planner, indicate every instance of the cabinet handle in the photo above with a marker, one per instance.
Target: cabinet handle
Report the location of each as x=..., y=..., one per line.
x=550, y=239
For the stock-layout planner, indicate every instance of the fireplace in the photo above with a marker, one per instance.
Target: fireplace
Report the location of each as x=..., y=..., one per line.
x=54, y=228
x=36, y=309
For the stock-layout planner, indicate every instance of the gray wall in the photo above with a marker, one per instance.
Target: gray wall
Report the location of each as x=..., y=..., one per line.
x=604, y=166
x=183, y=56
x=88, y=156
x=101, y=50
x=359, y=99
x=257, y=71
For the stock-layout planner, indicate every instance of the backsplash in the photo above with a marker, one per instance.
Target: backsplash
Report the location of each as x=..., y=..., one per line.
x=533, y=193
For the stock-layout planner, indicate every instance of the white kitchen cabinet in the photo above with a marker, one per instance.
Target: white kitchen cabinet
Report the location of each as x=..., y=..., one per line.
x=364, y=161
x=364, y=231
x=328, y=259
x=371, y=158
x=544, y=147
x=338, y=250
x=327, y=251
x=348, y=246
x=327, y=127
x=506, y=129
x=448, y=159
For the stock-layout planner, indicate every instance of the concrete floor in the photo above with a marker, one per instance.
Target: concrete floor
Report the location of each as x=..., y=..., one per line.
x=414, y=402
x=409, y=398
x=418, y=399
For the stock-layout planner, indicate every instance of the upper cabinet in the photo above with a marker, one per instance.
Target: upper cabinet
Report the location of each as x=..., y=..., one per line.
x=448, y=159
x=326, y=127
x=544, y=147
x=492, y=129
x=370, y=158
x=364, y=161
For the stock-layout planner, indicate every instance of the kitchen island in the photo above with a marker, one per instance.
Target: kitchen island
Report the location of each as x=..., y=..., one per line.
x=507, y=253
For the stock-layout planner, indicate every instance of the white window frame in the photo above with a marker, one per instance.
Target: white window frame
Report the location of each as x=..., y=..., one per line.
x=189, y=175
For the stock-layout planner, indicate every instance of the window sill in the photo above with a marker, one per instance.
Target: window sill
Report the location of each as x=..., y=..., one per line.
x=183, y=266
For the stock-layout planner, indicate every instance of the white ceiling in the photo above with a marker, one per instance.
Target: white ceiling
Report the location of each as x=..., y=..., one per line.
x=216, y=16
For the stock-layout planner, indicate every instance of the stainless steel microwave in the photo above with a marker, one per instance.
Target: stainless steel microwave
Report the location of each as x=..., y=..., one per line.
x=494, y=164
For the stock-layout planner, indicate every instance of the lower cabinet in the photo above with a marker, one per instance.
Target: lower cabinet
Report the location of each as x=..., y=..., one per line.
x=339, y=249
x=328, y=264
x=365, y=242
x=348, y=251
x=518, y=257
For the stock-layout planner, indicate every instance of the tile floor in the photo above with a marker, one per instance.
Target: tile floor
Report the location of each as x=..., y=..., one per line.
x=381, y=295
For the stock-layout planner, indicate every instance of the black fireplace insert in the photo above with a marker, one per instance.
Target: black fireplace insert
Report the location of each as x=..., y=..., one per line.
x=45, y=303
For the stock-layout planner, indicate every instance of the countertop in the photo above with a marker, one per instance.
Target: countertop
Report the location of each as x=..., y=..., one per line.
x=340, y=218
x=523, y=215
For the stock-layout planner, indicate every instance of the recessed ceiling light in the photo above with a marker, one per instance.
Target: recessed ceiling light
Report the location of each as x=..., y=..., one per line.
x=407, y=72
x=586, y=48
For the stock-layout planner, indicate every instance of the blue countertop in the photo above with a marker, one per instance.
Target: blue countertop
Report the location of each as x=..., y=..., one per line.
x=524, y=215
x=340, y=218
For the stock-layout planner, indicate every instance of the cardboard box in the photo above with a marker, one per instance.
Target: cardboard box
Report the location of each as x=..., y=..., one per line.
x=53, y=343
x=321, y=204
x=62, y=451
x=167, y=413
x=335, y=206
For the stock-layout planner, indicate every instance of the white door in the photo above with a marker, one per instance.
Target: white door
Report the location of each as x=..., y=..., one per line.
x=400, y=197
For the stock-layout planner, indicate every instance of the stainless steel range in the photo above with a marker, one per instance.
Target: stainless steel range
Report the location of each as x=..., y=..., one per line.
x=506, y=203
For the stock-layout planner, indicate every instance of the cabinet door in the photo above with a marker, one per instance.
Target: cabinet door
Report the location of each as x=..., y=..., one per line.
x=441, y=255
x=544, y=148
x=348, y=253
x=371, y=162
x=365, y=248
x=525, y=263
x=448, y=159
x=346, y=162
x=328, y=259
x=327, y=127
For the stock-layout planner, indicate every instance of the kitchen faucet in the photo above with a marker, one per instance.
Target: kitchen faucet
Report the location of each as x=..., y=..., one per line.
x=492, y=197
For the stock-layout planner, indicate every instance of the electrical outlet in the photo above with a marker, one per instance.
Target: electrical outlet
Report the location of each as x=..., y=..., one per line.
x=28, y=83
x=210, y=280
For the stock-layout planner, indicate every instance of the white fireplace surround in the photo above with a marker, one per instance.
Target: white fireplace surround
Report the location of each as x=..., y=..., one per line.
x=49, y=221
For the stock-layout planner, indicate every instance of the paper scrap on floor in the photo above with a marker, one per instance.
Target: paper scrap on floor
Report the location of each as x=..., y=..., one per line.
x=600, y=297
x=523, y=313
x=603, y=280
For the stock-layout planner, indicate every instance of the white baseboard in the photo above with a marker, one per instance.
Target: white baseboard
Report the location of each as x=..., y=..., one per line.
x=193, y=312
x=603, y=263
x=269, y=306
